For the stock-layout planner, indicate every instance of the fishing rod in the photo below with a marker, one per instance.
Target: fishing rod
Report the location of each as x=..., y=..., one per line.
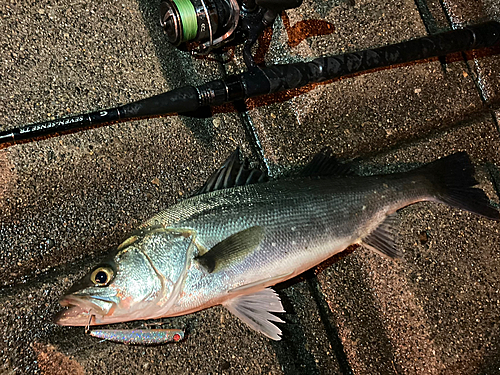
x=271, y=79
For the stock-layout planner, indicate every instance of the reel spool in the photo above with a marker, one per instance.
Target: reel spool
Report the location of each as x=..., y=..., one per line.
x=215, y=23
x=210, y=22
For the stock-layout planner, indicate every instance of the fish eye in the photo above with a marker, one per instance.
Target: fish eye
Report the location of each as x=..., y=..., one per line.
x=101, y=276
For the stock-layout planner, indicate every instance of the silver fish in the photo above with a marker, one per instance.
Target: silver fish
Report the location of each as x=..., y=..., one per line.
x=240, y=236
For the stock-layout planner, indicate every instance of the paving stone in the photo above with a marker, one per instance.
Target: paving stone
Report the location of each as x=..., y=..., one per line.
x=433, y=312
x=367, y=112
x=79, y=194
x=66, y=200
x=484, y=65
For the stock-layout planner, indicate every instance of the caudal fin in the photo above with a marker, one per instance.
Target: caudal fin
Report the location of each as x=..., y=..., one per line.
x=453, y=179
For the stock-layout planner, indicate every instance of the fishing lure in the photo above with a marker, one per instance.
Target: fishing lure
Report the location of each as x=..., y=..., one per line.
x=139, y=336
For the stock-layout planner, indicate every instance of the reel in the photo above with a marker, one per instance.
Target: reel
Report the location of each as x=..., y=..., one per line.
x=212, y=24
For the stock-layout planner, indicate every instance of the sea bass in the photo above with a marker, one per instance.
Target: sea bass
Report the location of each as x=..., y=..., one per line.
x=242, y=234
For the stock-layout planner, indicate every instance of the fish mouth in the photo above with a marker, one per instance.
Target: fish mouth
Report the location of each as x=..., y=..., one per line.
x=80, y=308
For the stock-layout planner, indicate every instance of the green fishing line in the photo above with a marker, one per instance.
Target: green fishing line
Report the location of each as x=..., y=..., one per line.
x=188, y=18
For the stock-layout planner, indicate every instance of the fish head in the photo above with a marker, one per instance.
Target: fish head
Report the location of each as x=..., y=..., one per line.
x=125, y=287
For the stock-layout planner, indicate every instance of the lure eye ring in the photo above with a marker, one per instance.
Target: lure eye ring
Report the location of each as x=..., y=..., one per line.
x=102, y=276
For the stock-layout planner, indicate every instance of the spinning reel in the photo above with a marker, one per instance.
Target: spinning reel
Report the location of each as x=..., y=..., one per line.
x=212, y=24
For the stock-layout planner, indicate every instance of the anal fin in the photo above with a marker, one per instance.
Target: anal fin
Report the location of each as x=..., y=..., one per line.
x=383, y=239
x=255, y=311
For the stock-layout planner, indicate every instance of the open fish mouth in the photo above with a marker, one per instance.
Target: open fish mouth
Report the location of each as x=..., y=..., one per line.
x=80, y=309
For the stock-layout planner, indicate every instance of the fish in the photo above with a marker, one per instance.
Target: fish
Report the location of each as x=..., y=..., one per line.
x=244, y=233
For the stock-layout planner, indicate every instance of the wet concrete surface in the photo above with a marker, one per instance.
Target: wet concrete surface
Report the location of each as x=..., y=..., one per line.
x=66, y=200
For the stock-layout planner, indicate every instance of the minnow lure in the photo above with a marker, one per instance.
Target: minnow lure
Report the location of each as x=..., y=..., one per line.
x=139, y=336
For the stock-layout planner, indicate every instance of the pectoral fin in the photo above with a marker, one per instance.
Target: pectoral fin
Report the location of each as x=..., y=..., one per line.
x=232, y=249
x=383, y=239
x=255, y=311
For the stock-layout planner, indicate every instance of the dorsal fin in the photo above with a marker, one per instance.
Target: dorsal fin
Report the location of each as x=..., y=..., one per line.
x=233, y=173
x=325, y=164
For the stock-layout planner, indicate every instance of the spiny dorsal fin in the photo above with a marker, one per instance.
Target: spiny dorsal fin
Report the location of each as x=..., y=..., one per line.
x=383, y=239
x=233, y=173
x=232, y=249
x=325, y=164
x=255, y=310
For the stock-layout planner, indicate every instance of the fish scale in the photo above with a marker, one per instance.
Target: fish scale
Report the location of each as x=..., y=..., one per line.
x=228, y=246
x=321, y=228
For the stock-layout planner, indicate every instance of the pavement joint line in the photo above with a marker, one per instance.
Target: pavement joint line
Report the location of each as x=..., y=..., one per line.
x=447, y=14
x=471, y=69
x=493, y=171
x=476, y=75
x=249, y=128
x=495, y=119
x=432, y=28
x=255, y=142
x=245, y=120
x=494, y=177
x=331, y=330
x=427, y=17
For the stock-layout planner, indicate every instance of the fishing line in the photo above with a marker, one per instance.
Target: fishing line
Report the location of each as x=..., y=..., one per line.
x=188, y=18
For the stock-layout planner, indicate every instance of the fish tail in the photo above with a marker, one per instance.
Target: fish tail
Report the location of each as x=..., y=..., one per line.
x=453, y=183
